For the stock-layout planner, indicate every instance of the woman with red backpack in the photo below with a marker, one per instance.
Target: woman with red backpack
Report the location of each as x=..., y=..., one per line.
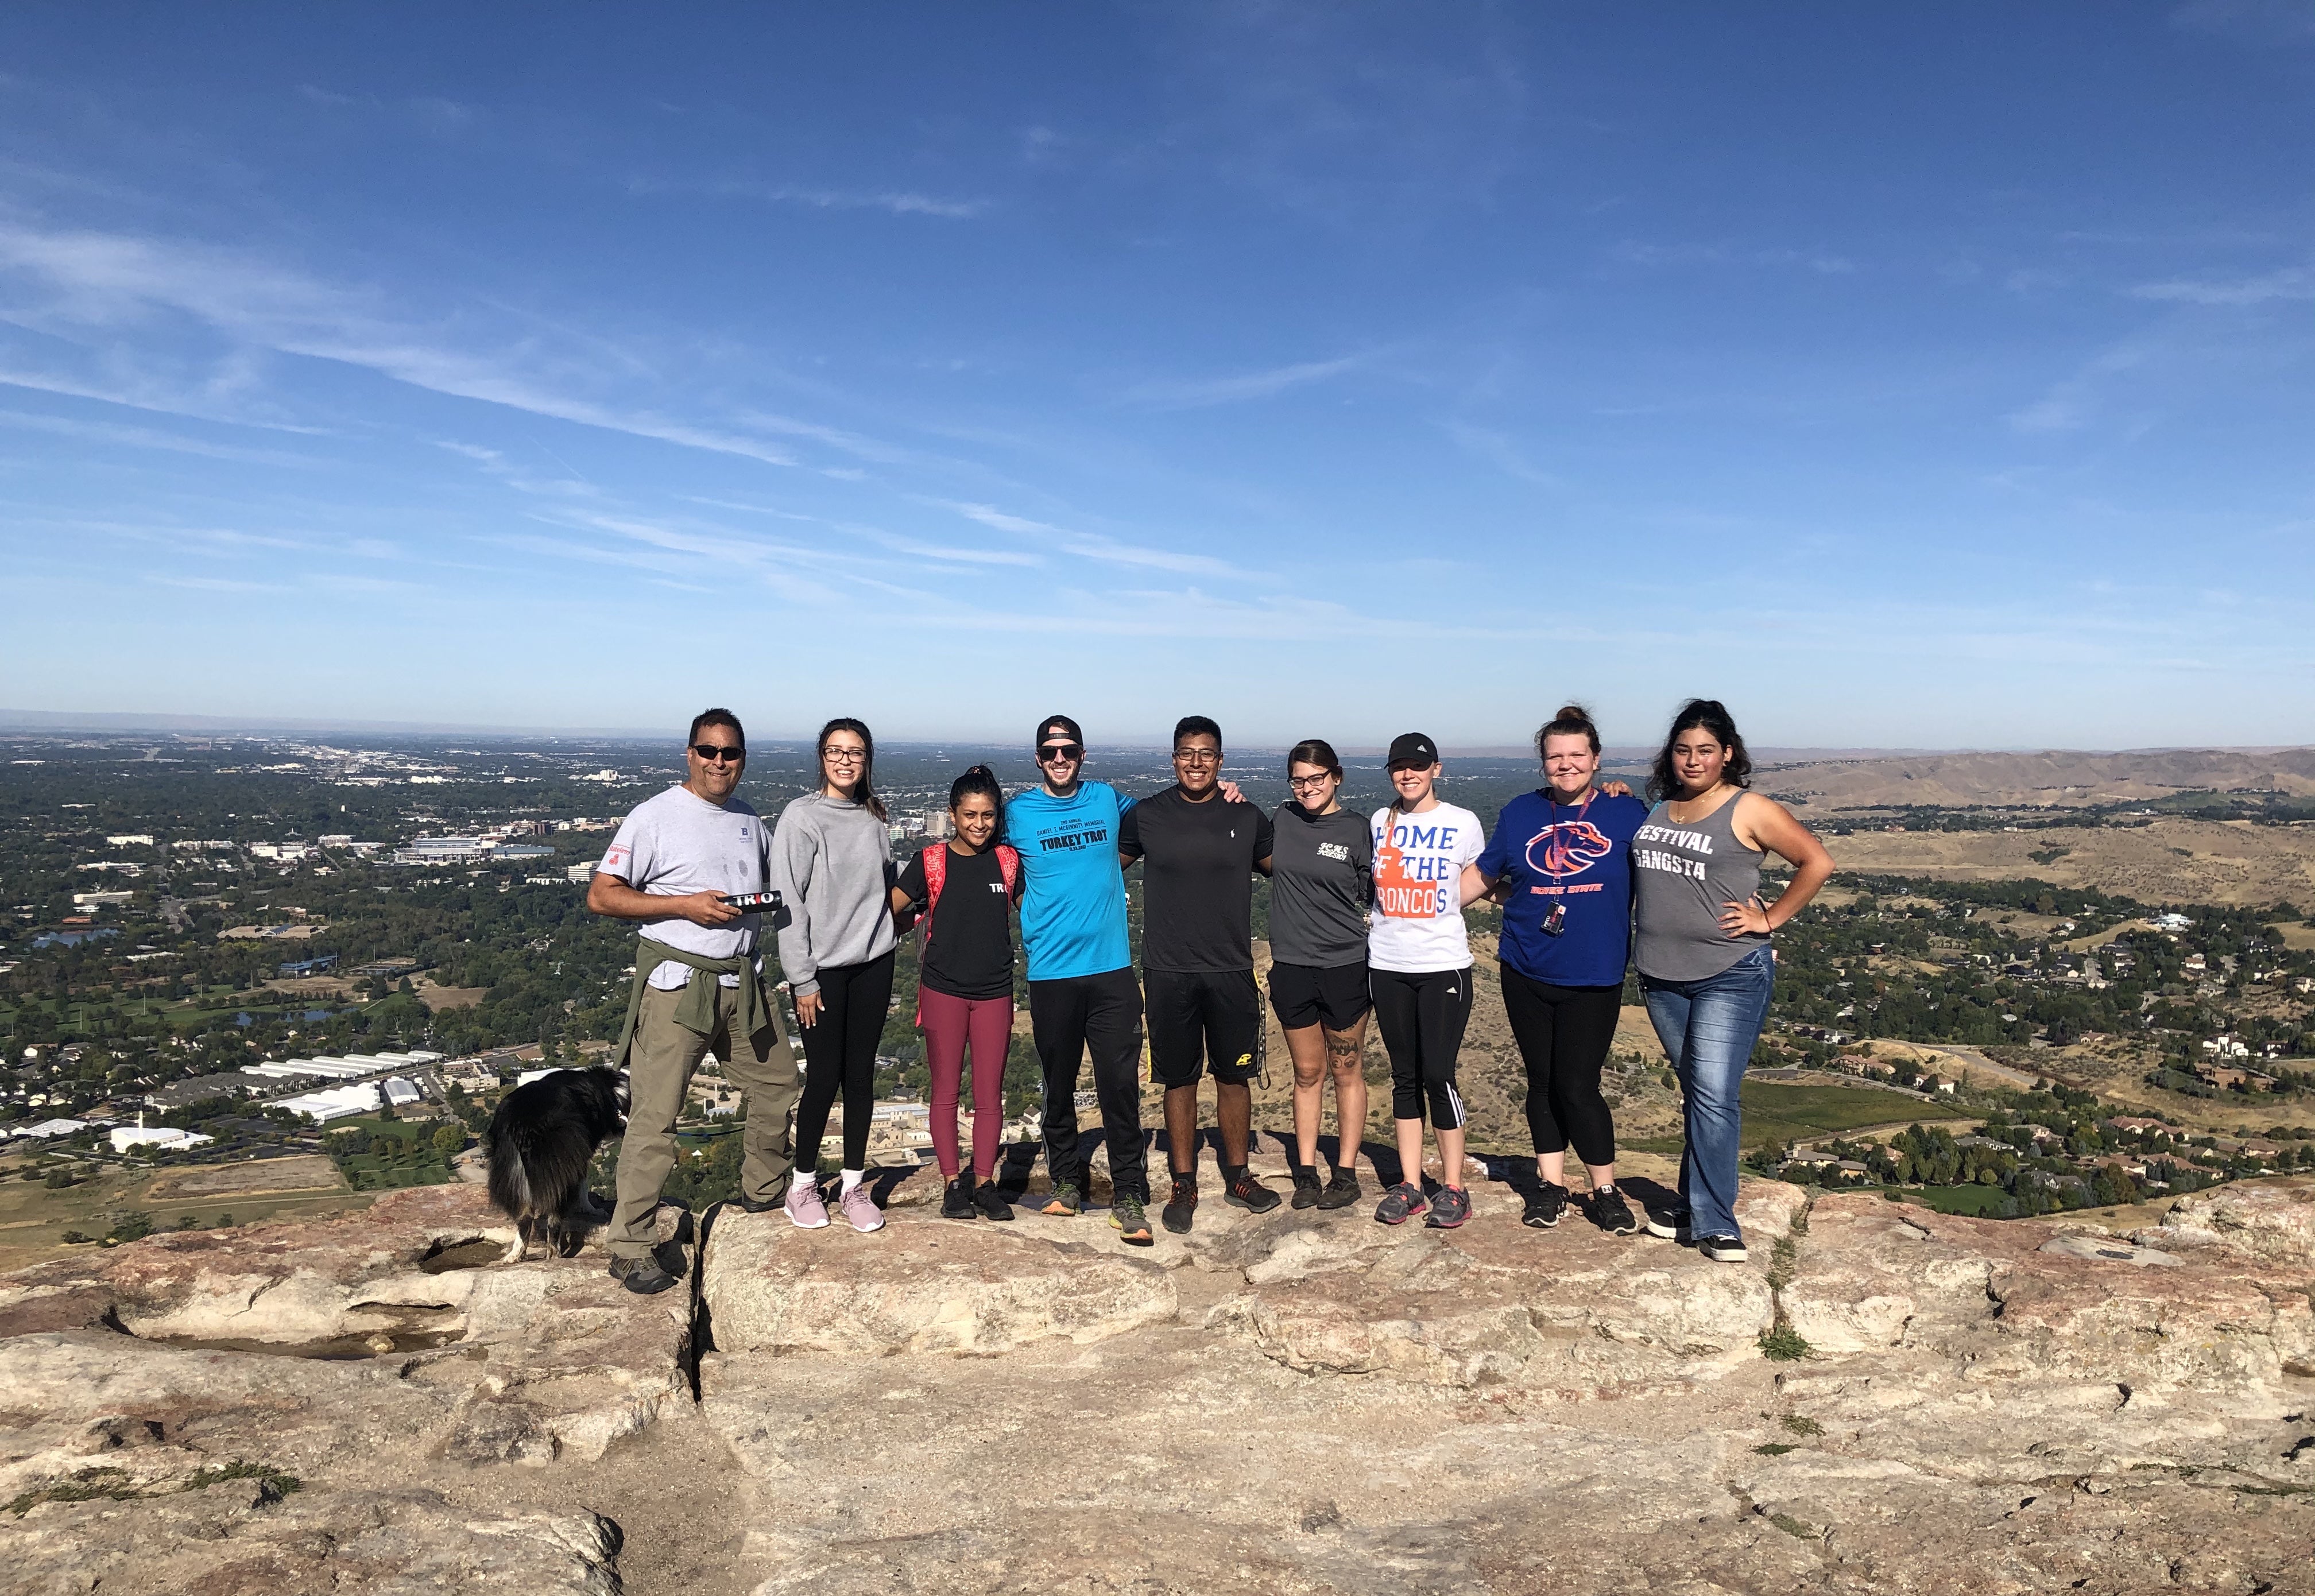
x=965, y=889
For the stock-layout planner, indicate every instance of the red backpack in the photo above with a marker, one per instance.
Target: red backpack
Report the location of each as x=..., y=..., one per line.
x=934, y=859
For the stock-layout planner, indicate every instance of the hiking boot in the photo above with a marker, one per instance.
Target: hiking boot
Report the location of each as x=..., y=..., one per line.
x=1066, y=1201
x=641, y=1275
x=1449, y=1209
x=1183, y=1204
x=1723, y=1249
x=991, y=1202
x=1401, y=1204
x=860, y=1209
x=1306, y=1188
x=957, y=1201
x=1132, y=1219
x=1245, y=1191
x=1611, y=1213
x=1342, y=1189
x=1671, y=1223
x=1544, y=1208
x=805, y=1211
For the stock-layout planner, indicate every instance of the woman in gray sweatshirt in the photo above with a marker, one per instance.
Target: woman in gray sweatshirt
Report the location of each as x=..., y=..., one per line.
x=833, y=866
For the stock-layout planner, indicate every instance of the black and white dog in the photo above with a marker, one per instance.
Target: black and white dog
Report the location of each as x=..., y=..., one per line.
x=539, y=1144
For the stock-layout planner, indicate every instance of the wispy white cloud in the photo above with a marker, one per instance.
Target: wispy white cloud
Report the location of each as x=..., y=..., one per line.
x=1498, y=450
x=113, y=282
x=1095, y=546
x=1198, y=393
x=107, y=432
x=895, y=201
x=1636, y=253
x=2291, y=282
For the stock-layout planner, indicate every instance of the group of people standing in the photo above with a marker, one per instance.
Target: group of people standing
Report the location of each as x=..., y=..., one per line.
x=1366, y=919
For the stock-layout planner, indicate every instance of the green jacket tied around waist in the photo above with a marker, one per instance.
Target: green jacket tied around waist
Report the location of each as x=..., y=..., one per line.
x=695, y=1010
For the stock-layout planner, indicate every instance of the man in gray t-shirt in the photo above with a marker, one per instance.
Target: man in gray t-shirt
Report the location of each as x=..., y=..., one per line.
x=675, y=859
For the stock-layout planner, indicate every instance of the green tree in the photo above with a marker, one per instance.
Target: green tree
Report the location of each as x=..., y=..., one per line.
x=449, y=1141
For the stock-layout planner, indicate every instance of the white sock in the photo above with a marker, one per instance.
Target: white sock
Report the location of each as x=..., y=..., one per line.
x=852, y=1177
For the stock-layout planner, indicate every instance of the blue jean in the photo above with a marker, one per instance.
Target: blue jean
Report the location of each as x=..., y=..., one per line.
x=1707, y=1028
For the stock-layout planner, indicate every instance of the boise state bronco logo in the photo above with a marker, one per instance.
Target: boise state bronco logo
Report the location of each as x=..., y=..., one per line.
x=1571, y=848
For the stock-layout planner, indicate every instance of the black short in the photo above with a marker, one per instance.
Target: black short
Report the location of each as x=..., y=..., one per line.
x=1303, y=995
x=1198, y=1018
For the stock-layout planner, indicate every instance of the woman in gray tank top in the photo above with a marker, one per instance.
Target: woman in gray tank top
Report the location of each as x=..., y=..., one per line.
x=1701, y=938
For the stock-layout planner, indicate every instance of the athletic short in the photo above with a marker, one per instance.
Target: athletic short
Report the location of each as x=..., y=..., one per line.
x=1303, y=995
x=1198, y=1018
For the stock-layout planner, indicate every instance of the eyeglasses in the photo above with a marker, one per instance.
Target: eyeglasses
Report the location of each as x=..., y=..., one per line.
x=1309, y=783
x=1197, y=755
x=713, y=751
x=1054, y=753
x=844, y=756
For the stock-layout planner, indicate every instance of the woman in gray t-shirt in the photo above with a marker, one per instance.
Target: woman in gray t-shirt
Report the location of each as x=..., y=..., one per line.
x=1701, y=938
x=1321, y=877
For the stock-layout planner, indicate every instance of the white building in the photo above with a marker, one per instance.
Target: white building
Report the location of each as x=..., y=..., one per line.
x=125, y=1137
x=333, y=1102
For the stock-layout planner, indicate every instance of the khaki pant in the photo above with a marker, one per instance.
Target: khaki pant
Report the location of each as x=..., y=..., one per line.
x=660, y=1063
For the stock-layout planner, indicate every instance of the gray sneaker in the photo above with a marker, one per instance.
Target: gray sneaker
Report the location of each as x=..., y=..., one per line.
x=1066, y=1203
x=1132, y=1219
x=1449, y=1209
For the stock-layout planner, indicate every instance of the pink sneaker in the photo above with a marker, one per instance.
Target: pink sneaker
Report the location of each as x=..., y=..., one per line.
x=805, y=1211
x=861, y=1209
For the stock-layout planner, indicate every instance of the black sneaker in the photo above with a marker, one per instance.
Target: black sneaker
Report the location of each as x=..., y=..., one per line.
x=1723, y=1249
x=1244, y=1190
x=641, y=1276
x=1183, y=1206
x=1612, y=1214
x=990, y=1203
x=1544, y=1208
x=1342, y=1189
x=1307, y=1189
x=1671, y=1223
x=956, y=1199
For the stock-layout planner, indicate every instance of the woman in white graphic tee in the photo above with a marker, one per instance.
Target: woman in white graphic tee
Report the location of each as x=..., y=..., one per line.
x=1419, y=970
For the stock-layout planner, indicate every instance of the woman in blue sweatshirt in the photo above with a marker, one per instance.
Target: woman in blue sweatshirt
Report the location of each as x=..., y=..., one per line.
x=1561, y=861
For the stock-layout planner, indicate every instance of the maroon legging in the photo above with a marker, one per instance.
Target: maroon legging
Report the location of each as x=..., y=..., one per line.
x=949, y=1023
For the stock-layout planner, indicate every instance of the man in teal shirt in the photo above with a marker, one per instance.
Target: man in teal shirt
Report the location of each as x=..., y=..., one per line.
x=1082, y=993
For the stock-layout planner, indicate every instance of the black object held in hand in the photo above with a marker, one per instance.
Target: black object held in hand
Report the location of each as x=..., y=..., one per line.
x=770, y=900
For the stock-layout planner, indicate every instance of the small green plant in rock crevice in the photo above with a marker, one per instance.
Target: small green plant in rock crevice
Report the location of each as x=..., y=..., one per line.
x=1781, y=1343
x=1797, y=1424
x=1775, y=1449
x=90, y=1485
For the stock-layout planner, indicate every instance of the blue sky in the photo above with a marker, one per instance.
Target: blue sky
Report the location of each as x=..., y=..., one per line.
x=1902, y=376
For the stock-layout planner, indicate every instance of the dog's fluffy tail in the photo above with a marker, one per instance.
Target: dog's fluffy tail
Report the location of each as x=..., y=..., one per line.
x=510, y=1182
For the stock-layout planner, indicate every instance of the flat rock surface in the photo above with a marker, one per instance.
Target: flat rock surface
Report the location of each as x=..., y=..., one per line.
x=1294, y=1402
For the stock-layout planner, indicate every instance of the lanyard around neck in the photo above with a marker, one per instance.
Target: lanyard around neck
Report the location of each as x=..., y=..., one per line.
x=1551, y=852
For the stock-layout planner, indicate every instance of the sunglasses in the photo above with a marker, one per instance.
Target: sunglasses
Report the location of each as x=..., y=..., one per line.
x=1054, y=752
x=713, y=751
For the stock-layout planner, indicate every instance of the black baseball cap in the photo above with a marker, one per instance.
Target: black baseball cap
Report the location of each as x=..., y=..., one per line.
x=1062, y=724
x=1413, y=749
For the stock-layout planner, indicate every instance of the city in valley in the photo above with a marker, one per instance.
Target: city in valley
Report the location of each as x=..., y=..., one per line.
x=246, y=978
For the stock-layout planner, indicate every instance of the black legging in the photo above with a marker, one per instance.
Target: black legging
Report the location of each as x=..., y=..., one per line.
x=841, y=1050
x=1564, y=1034
x=1421, y=1017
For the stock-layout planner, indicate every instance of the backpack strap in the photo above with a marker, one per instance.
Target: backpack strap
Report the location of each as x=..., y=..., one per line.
x=934, y=859
x=1008, y=863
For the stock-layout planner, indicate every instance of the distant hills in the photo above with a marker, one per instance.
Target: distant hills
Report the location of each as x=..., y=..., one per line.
x=2055, y=777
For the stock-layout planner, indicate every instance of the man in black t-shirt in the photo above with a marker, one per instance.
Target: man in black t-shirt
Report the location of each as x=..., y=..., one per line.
x=1199, y=855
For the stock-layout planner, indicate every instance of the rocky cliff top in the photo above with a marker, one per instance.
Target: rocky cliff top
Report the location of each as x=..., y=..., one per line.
x=1885, y=1399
